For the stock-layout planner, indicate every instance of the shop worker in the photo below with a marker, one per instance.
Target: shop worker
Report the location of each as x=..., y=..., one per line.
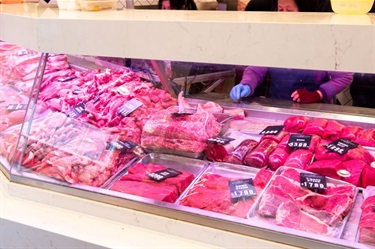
x=302, y=86
x=177, y=5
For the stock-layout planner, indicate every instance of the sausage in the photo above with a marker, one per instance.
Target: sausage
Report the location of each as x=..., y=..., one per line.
x=240, y=151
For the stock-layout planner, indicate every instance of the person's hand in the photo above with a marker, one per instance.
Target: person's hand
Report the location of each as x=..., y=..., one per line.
x=306, y=97
x=240, y=91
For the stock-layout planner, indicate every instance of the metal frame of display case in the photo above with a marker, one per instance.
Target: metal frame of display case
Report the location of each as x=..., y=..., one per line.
x=278, y=234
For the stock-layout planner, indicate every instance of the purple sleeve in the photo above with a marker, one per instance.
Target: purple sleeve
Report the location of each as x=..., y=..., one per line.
x=253, y=76
x=337, y=82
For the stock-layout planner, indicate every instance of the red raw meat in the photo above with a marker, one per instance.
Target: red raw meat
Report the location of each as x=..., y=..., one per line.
x=350, y=132
x=333, y=130
x=277, y=138
x=368, y=175
x=217, y=152
x=284, y=142
x=315, y=141
x=330, y=209
x=360, y=153
x=315, y=127
x=295, y=124
x=262, y=178
x=139, y=171
x=346, y=189
x=367, y=222
x=354, y=167
x=325, y=167
x=366, y=137
x=259, y=156
x=278, y=158
x=299, y=158
x=322, y=153
x=137, y=182
x=290, y=215
x=291, y=173
x=237, y=156
x=280, y=190
x=212, y=193
x=156, y=142
x=152, y=191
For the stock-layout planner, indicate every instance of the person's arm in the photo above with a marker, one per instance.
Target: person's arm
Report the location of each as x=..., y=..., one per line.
x=337, y=82
x=253, y=77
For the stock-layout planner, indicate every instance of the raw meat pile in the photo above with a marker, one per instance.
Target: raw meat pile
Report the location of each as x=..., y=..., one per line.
x=356, y=163
x=286, y=203
x=18, y=66
x=137, y=182
x=211, y=192
x=103, y=93
x=367, y=222
x=67, y=150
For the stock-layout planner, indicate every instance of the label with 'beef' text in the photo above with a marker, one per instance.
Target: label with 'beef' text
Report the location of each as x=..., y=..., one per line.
x=241, y=189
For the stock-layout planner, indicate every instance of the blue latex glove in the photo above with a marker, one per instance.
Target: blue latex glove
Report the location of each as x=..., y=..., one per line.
x=240, y=91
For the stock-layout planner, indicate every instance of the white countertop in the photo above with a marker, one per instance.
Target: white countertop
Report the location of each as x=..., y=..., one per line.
x=324, y=41
x=103, y=225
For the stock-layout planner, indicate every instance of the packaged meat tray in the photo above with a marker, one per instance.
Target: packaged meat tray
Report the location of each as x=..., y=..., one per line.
x=159, y=177
x=366, y=228
x=227, y=189
x=65, y=149
x=322, y=210
x=180, y=146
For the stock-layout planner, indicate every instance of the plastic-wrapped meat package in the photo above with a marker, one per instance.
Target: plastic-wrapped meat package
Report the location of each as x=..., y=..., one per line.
x=360, y=153
x=259, y=156
x=184, y=133
x=277, y=138
x=322, y=153
x=295, y=124
x=285, y=203
x=368, y=175
x=350, y=132
x=325, y=167
x=211, y=192
x=237, y=156
x=137, y=182
x=332, y=130
x=354, y=167
x=366, y=137
x=69, y=150
x=315, y=127
x=366, y=226
x=299, y=158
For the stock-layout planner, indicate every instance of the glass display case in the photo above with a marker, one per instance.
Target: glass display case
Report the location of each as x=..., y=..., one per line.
x=111, y=133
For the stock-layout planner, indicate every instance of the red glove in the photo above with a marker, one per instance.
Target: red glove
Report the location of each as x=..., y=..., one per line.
x=306, y=97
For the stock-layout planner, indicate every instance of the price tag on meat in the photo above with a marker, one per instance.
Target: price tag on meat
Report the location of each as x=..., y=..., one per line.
x=313, y=181
x=299, y=141
x=220, y=140
x=341, y=146
x=121, y=145
x=241, y=189
x=163, y=174
x=129, y=107
x=76, y=111
x=272, y=130
x=16, y=107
